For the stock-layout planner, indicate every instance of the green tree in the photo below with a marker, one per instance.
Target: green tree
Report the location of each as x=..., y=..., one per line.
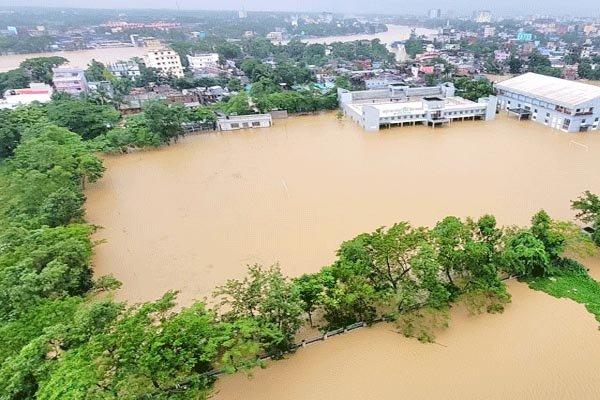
x=14, y=79
x=82, y=116
x=310, y=289
x=164, y=120
x=515, y=64
x=542, y=227
x=96, y=71
x=268, y=297
x=40, y=68
x=587, y=207
x=525, y=255
x=41, y=264
x=238, y=105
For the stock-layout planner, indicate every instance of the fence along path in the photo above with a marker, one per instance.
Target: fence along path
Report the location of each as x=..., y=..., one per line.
x=307, y=342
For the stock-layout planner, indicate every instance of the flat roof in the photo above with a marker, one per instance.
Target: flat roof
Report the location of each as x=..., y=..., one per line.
x=394, y=108
x=548, y=88
x=246, y=117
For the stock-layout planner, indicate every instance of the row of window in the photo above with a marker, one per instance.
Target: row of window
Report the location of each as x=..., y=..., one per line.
x=235, y=125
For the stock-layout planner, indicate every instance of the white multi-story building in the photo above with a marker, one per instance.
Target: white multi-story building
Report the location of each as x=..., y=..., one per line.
x=275, y=36
x=39, y=92
x=203, y=61
x=124, y=69
x=489, y=31
x=402, y=105
x=435, y=13
x=482, y=17
x=165, y=60
x=69, y=80
x=561, y=104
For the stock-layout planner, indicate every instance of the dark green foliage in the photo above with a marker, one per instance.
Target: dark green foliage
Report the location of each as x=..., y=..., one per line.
x=414, y=45
x=270, y=299
x=45, y=176
x=473, y=89
x=96, y=71
x=541, y=65
x=14, y=79
x=82, y=116
x=525, y=255
x=40, y=68
x=42, y=263
x=588, y=211
x=164, y=120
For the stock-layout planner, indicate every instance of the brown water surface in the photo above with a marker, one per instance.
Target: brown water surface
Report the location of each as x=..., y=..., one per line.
x=191, y=215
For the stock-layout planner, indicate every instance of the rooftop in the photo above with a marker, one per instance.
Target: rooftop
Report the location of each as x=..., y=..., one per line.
x=551, y=89
x=387, y=109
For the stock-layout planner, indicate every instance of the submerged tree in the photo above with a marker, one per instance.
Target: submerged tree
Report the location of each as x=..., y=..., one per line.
x=268, y=297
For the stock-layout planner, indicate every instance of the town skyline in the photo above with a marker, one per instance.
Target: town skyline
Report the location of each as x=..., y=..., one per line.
x=456, y=8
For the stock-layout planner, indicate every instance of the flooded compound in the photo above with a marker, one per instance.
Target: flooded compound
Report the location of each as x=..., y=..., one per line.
x=191, y=215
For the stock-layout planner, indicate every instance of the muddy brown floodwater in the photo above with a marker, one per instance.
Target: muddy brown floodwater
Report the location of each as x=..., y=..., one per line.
x=190, y=216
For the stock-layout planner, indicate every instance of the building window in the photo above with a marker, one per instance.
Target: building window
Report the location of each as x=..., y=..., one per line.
x=255, y=123
x=235, y=125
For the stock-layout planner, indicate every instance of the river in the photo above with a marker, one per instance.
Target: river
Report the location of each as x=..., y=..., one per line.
x=79, y=58
x=83, y=57
x=191, y=215
x=393, y=34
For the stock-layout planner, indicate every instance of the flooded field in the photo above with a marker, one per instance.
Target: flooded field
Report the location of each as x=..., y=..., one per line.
x=192, y=215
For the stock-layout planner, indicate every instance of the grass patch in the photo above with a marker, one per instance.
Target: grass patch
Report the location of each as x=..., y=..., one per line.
x=574, y=284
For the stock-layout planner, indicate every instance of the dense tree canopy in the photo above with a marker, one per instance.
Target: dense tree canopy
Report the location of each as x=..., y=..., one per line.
x=82, y=115
x=40, y=68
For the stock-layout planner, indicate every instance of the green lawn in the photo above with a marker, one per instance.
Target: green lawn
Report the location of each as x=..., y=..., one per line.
x=574, y=284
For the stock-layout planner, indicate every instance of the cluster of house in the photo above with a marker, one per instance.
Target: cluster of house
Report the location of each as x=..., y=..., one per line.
x=165, y=61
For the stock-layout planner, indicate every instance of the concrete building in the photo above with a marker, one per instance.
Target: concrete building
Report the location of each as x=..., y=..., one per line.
x=275, y=36
x=69, y=80
x=558, y=103
x=165, y=60
x=489, y=31
x=381, y=82
x=39, y=92
x=482, y=17
x=232, y=123
x=124, y=69
x=435, y=13
x=403, y=105
x=202, y=61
